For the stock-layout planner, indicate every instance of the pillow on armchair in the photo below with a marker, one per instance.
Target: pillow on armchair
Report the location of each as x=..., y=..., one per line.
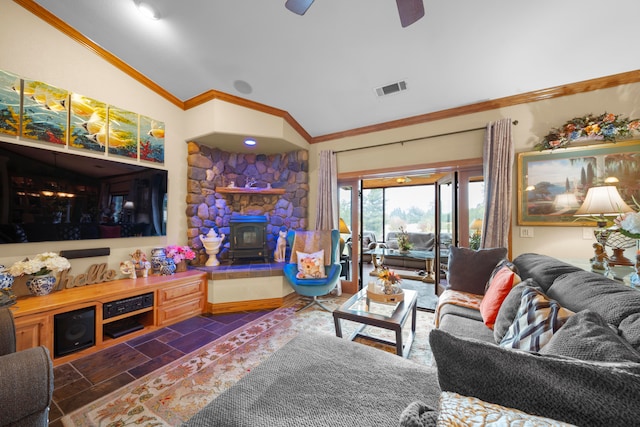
x=311, y=266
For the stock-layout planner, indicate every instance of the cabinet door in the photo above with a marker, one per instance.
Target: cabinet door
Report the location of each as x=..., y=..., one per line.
x=32, y=331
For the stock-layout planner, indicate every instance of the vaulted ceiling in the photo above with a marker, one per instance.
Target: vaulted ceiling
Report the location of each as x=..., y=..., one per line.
x=322, y=68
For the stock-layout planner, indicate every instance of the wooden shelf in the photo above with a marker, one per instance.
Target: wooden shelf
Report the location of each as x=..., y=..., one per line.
x=242, y=190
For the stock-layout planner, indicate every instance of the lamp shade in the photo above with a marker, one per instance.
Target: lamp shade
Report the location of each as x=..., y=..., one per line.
x=476, y=225
x=603, y=201
x=343, y=227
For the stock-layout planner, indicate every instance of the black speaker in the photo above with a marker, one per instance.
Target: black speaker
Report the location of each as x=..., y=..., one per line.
x=74, y=331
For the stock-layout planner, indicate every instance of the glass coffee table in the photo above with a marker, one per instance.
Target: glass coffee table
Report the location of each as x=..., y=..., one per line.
x=360, y=309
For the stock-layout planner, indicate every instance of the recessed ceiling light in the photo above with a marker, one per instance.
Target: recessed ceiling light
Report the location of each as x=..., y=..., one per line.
x=147, y=10
x=250, y=142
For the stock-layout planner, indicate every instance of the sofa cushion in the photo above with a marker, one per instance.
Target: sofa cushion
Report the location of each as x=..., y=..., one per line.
x=629, y=329
x=584, y=290
x=469, y=270
x=587, y=336
x=499, y=287
x=538, y=318
x=465, y=327
x=542, y=268
x=509, y=309
x=575, y=391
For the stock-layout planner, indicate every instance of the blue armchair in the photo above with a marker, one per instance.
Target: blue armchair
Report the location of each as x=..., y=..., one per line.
x=315, y=287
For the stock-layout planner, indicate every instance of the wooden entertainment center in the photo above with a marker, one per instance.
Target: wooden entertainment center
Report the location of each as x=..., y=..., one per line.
x=148, y=303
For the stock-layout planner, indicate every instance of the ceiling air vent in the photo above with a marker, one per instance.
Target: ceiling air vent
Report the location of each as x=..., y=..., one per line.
x=392, y=88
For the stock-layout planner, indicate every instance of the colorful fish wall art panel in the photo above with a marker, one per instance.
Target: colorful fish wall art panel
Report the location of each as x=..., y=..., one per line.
x=151, y=140
x=87, y=123
x=122, y=133
x=44, y=112
x=9, y=103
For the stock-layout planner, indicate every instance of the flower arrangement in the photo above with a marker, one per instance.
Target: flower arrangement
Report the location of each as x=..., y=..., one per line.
x=41, y=264
x=179, y=253
x=388, y=276
x=606, y=126
x=390, y=281
x=403, y=240
x=629, y=224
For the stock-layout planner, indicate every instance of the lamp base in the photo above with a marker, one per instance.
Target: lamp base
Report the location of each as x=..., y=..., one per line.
x=618, y=258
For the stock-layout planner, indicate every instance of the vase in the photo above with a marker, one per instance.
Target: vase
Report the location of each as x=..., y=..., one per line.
x=6, y=279
x=168, y=267
x=41, y=285
x=158, y=255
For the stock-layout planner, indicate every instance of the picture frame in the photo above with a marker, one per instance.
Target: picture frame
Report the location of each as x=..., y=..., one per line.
x=552, y=184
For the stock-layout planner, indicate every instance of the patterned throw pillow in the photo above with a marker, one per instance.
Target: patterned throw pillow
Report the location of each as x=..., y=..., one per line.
x=458, y=410
x=310, y=266
x=499, y=287
x=537, y=320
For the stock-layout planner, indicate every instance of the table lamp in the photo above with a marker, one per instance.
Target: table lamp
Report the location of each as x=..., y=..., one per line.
x=344, y=229
x=476, y=226
x=600, y=202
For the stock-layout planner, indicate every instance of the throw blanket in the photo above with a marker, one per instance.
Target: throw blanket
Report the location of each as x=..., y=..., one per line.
x=463, y=299
x=310, y=242
x=320, y=380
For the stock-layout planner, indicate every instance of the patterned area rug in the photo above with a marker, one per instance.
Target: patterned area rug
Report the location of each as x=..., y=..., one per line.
x=174, y=393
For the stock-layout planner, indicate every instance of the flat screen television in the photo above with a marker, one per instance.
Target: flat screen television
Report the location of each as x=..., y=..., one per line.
x=52, y=195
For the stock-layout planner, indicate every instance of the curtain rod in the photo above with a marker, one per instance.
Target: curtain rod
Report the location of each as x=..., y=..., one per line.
x=515, y=122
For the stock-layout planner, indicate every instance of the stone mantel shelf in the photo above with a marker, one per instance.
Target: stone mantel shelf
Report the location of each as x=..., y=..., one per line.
x=242, y=190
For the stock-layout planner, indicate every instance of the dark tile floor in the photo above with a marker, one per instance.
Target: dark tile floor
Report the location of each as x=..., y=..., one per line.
x=86, y=379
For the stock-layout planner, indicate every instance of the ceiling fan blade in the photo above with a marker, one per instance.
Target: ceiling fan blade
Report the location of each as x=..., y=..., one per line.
x=298, y=6
x=410, y=11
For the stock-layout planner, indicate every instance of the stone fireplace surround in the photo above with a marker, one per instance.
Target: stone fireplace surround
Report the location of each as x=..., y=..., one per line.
x=210, y=168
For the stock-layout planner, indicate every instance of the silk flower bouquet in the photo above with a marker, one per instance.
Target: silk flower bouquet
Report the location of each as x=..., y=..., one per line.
x=40, y=265
x=179, y=253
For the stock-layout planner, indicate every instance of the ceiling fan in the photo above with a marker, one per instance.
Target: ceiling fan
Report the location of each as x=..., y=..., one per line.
x=409, y=10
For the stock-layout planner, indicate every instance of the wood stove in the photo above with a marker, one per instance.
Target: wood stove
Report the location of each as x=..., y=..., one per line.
x=248, y=237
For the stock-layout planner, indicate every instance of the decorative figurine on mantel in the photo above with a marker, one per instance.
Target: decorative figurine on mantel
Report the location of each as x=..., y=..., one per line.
x=281, y=246
x=140, y=263
x=211, y=243
x=127, y=268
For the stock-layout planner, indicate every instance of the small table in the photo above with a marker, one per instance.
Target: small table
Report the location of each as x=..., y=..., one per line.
x=360, y=309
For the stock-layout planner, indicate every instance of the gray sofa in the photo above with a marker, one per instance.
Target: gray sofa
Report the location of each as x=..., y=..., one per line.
x=587, y=374
x=319, y=380
x=419, y=241
x=26, y=379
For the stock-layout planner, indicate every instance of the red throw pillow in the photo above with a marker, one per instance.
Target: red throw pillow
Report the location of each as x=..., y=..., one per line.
x=499, y=288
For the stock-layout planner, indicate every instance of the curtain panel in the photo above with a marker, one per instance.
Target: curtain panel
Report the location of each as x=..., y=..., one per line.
x=498, y=153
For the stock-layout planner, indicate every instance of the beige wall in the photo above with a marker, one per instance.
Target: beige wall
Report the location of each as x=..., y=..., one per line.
x=32, y=49
x=535, y=120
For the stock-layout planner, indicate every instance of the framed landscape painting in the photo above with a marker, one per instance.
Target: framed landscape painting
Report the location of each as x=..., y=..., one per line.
x=552, y=184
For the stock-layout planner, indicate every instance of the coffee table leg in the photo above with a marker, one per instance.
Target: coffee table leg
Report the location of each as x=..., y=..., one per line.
x=399, y=347
x=336, y=321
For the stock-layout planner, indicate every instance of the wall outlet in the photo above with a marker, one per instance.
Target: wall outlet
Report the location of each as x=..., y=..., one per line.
x=526, y=232
x=587, y=233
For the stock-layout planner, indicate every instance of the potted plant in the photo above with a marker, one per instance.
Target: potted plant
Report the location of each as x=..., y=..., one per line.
x=403, y=241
